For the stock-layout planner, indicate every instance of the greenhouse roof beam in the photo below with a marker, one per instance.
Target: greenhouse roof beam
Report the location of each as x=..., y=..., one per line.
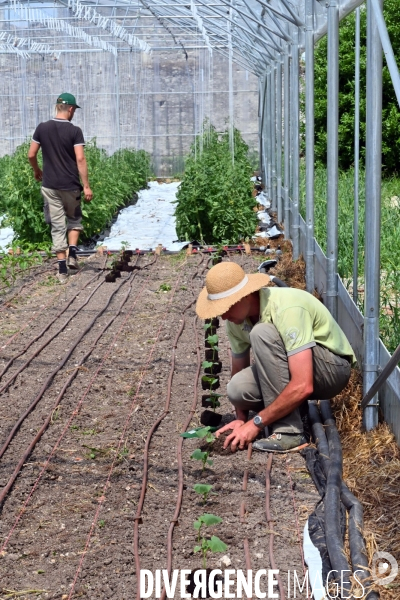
x=293, y=20
x=238, y=35
x=387, y=48
x=251, y=32
x=260, y=23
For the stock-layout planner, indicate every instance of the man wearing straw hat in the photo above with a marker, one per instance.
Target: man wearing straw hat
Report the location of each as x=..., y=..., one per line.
x=299, y=353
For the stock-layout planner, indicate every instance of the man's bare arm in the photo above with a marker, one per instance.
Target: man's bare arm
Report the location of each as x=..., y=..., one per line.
x=83, y=171
x=32, y=157
x=298, y=389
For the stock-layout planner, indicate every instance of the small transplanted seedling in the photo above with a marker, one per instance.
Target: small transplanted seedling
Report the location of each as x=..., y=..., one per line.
x=213, y=401
x=203, y=433
x=164, y=287
x=213, y=544
x=204, y=490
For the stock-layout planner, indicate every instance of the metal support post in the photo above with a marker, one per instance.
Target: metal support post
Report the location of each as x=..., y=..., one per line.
x=295, y=145
x=356, y=157
x=264, y=132
x=117, y=115
x=332, y=157
x=309, y=109
x=373, y=167
x=268, y=140
x=286, y=157
x=273, y=138
x=279, y=138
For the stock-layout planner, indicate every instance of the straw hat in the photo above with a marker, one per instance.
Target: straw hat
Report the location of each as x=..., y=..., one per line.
x=226, y=284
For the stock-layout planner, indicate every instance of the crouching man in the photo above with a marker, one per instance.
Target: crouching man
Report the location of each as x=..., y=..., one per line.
x=299, y=353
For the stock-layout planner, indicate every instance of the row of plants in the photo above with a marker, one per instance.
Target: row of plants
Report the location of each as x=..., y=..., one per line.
x=15, y=263
x=114, y=181
x=390, y=250
x=214, y=201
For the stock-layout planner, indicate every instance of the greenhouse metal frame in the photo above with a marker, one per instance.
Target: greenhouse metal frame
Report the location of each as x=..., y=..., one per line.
x=264, y=38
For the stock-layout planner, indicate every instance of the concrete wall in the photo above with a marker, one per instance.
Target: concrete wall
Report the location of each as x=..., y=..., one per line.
x=156, y=102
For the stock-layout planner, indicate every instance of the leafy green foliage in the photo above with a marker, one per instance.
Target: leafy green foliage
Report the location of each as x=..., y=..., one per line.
x=203, y=432
x=214, y=201
x=113, y=179
x=390, y=249
x=12, y=265
x=390, y=109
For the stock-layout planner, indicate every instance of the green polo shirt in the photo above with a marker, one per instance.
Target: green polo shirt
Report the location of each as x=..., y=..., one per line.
x=301, y=320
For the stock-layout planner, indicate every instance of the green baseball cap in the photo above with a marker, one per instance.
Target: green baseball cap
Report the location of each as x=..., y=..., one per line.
x=67, y=99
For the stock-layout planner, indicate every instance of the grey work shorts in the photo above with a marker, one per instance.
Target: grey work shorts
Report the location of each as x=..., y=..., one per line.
x=62, y=210
x=256, y=387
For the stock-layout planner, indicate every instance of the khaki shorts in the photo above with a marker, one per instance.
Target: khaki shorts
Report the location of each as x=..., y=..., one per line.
x=62, y=209
x=256, y=387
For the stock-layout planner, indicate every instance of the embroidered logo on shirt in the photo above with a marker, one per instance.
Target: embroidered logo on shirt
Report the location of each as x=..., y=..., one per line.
x=292, y=334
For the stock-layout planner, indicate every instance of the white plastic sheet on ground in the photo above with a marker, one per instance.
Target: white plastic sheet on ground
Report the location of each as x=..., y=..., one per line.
x=150, y=222
x=313, y=561
x=6, y=236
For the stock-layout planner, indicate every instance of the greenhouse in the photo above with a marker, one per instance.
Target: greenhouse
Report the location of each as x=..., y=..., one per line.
x=199, y=311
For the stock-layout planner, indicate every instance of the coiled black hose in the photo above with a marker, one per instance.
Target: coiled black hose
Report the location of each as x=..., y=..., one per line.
x=356, y=524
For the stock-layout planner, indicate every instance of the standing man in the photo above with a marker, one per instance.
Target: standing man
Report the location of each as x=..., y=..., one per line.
x=63, y=163
x=299, y=353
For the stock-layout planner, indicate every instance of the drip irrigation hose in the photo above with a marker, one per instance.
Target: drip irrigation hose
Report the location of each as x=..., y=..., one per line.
x=178, y=504
x=138, y=518
x=358, y=552
x=40, y=334
x=36, y=439
x=246, y=547
x=44, y=307
x=334, y=539
x=66, y=428
x=271, y=524
x=49, y=378
x=27, y=283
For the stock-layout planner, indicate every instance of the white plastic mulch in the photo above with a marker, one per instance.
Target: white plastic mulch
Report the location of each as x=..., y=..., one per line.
x=6, y=236
x=150, y=222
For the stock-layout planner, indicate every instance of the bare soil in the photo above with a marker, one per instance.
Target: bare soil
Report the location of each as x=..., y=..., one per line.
x=67, y=524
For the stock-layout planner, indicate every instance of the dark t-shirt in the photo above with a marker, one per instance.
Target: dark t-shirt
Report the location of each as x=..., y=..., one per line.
x=57, y=139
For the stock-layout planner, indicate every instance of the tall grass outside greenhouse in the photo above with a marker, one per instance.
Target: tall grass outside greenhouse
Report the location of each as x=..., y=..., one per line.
x=390, y=247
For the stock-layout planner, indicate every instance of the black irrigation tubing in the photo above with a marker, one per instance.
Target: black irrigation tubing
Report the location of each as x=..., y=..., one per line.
x=27, y=283
x=334, y=540
x=138, y=518
x=175, y=516
x=44, y=307
x=271, y=524
x=66, y=428
x=33, y=443
x=358, y=553
x=47, y=342
x=246, y=547
x=53, y=372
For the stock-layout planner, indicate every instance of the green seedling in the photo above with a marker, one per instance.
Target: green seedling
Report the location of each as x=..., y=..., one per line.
x=213, y=341
x=213, y=400
x=164, y=287
x=210, y=379
x=203, y=432
x=102, y=523
x=124, y=246
x=213, y=544
x=206, y=364
x=203, y=457
x=204, y=490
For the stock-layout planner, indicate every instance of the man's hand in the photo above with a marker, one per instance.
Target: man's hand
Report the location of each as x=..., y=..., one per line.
x=87, y=193
x=243, y=434
x=38, y=174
